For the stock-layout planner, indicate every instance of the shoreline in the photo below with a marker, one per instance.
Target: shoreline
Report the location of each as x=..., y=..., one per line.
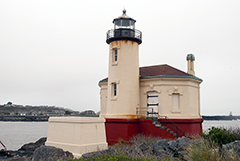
x=25, y=118
x=45, y=118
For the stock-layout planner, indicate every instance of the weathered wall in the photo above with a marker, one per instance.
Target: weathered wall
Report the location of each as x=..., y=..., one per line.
x=187, y=88
x=77, y=135
x=125, y=73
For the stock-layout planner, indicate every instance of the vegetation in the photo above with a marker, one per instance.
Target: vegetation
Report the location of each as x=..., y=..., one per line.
x=221, y=135
x=118, y=157
x=28, y=110
x=203, y=150
x=207, y=148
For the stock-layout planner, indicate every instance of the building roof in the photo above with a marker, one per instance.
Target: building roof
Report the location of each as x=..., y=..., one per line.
x=161, y=71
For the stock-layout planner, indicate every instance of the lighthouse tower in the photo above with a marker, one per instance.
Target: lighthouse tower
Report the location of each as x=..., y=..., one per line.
x=123, y=76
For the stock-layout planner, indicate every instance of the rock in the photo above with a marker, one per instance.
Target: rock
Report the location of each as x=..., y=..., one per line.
x=49, y=153
x=137, y=152
x=144, y=146
x=160, y=144
x=161, y=148
x=27, y=149
x=233, y=146
x=173, y=145
x=33, y=146
x=182, y=143
x=127, y=151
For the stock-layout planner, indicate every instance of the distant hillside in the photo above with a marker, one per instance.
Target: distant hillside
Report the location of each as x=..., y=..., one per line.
x=221, y=117
x=28, y=110
x=11, y=109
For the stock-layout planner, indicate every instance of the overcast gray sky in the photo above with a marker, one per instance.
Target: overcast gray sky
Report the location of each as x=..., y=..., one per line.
x=54, y=52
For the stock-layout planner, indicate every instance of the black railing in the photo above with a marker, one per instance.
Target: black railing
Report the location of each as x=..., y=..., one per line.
x=147, y=111
x=124, y=34
x=167, y=122
x=172, y=126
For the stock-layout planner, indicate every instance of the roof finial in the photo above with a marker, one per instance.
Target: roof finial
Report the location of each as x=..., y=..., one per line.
x=124, y=11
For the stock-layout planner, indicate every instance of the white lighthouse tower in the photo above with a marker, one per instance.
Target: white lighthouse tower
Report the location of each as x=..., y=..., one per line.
x=123, y=76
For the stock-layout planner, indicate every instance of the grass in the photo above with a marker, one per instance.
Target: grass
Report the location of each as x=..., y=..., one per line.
x=201, y=149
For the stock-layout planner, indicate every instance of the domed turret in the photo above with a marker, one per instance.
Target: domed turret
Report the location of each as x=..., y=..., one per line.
x=124, y=29
x=190, y=57
x=190, y=60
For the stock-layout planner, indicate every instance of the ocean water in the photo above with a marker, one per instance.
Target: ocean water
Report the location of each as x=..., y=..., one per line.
x=16, y=134
x=220, y=123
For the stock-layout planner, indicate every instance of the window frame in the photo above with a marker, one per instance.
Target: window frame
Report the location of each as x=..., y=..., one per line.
x=115, y=55
x=114, y=89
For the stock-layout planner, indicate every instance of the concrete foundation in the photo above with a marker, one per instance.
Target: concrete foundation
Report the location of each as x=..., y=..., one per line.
x=77, y=135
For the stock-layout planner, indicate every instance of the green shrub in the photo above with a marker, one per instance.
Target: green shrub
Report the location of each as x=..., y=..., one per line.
x=220, y=136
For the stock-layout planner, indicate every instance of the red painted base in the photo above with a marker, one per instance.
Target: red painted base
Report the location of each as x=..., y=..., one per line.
x=117, y=129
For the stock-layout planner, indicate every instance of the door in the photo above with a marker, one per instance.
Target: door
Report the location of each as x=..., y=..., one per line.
x=152, y=104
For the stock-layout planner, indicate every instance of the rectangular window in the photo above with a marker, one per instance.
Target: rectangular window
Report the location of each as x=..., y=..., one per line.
x=175, y=100
x=115, y=54
x=114, y=89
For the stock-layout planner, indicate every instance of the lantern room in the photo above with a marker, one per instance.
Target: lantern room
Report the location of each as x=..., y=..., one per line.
x=124, y=22
x=124, y=29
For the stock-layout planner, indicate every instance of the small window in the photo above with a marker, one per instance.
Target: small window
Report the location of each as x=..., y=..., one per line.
x=114, y=89
x=115, y=54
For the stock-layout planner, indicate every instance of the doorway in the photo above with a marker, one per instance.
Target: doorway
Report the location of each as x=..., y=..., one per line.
x=152, y=104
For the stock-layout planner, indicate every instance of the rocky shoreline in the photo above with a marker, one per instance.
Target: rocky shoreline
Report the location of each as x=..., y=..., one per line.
x=35, y=152
x=162, y=148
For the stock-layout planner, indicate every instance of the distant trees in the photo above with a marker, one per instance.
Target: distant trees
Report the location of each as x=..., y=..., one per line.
x=68, y=112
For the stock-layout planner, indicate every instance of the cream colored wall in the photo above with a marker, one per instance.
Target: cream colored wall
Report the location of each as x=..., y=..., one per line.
x=190, y=66
x=103, y=98
x=77, y=134
x=125, y=73
x=188, y=90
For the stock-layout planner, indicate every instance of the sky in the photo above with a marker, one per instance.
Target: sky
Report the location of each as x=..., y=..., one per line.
x=54, y=52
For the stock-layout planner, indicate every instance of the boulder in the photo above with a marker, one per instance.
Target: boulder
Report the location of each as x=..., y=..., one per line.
x=49, y=153
x=182, y=143
x=233, y=146
x=33, y=146
x=27, y=149
x=173, y=145
x=144, y=146
x=161, y=148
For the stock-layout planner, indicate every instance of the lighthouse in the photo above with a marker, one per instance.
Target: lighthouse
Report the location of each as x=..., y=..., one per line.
x=157, y=100
x=123, y=76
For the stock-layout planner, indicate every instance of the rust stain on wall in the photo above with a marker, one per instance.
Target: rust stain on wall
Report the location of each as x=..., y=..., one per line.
x=130, y=116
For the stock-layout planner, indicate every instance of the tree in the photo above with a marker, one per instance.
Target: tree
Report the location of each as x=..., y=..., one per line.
x=68, y=112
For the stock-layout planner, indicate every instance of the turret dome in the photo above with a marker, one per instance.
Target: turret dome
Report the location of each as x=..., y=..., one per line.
x=190, y=57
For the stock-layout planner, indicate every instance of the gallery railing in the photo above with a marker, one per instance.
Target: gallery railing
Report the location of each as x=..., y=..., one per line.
x=124, y=34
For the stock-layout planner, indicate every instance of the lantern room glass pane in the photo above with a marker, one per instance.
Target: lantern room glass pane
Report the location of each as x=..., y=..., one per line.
x=118, y=22
x=125, y=23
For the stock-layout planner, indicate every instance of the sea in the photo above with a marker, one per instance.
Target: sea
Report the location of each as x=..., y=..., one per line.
x=16, y=134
